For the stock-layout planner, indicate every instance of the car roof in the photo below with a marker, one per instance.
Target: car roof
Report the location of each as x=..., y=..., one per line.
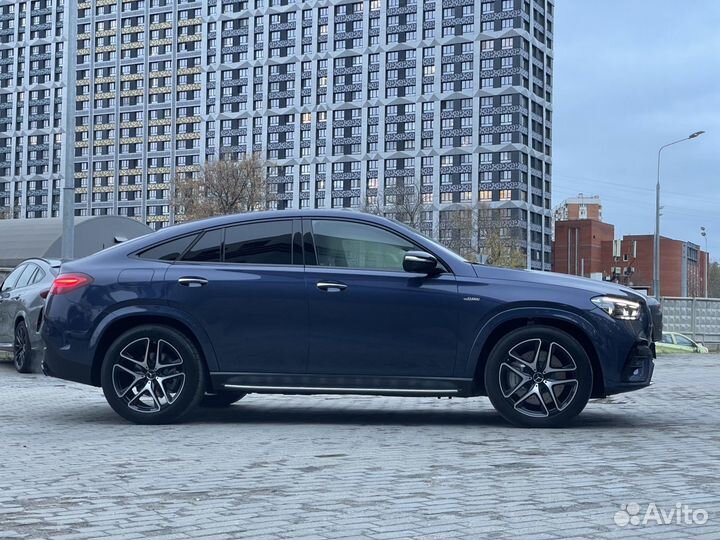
x=279, y=214
x=455, y=261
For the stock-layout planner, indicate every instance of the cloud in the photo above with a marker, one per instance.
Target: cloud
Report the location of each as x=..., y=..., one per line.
x=629, y=77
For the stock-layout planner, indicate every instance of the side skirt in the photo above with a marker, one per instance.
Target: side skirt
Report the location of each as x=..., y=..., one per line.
x=278, y=383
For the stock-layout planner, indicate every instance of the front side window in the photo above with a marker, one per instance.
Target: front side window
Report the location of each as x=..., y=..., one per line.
x=259, y=243
x=682, y=340
x=355, y=245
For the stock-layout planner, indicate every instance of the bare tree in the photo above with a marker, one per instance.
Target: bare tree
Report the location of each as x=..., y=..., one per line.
x=225, y=186
x=714, y=280
x=498, y=246
x=458, y=230
x=479, y=234
x=475, y=232
x=403, y=202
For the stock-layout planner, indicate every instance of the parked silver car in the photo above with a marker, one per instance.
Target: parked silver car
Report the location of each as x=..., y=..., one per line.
x=22, y=300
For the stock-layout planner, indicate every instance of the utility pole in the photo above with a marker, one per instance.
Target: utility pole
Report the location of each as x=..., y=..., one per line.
x=703, y=233
x=68, y=190
x=656, y=258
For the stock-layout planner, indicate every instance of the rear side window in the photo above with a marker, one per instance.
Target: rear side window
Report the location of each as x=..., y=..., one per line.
x=259, y=243
x=207, y=249
x=169, y=251
x=11, y=280
x=39, y=276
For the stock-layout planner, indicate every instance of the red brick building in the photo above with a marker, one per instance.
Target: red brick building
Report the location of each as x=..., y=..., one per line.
x=683, y=265
x=585, y=246
x=578, y=246
x=580, y=207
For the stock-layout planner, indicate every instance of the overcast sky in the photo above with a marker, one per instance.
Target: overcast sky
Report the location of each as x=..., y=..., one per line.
x=630, y=76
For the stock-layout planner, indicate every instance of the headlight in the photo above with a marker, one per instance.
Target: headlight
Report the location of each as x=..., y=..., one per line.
x=618, y=308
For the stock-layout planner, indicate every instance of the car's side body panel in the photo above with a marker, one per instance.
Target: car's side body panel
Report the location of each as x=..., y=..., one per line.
x=256, y=316
x=26, y=303
x=273, y=327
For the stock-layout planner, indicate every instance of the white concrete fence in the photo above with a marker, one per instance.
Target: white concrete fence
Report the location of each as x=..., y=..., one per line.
x=698, y=318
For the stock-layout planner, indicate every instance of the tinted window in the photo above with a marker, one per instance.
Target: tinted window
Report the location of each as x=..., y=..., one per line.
x=39, y=276
x=682, y=340
x=13, y=277
x=26, y=277
x=667, y=338
x=259, y=243
x=169, y=251
x=354, y=245
x=207, y=249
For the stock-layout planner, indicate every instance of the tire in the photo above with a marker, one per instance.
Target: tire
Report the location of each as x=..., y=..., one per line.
x=223, y=399
x=529, y=391
x=22, y=349
x=145, y=392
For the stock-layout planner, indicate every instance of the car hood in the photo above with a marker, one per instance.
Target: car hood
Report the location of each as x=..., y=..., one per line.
x=553, y=279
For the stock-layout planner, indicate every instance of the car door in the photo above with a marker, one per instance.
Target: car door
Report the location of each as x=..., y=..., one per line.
x=244, y=284
x=7, y=305
x=367, y=315
x=684, y=344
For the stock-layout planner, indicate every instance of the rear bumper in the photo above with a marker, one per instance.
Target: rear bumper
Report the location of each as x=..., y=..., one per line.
x=63, y=367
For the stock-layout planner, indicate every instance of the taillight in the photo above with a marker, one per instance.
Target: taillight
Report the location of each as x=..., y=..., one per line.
x=66, y=283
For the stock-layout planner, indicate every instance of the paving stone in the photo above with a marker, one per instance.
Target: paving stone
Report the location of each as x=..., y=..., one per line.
x=330, y=467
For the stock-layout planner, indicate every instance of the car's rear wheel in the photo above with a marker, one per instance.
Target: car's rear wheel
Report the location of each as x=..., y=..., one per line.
x=538, y=376
x=152, y=374
x=221, y=399
x=22, y=349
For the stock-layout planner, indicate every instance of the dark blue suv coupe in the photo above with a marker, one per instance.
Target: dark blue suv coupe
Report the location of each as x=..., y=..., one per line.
x=335, y=302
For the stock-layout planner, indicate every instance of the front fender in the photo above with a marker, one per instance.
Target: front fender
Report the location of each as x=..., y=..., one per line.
x=158, y=312
x=522, y=313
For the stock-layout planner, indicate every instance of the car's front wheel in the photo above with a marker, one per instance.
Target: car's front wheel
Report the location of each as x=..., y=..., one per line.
x=152, y=374
x=22, y=349
x=538, y=376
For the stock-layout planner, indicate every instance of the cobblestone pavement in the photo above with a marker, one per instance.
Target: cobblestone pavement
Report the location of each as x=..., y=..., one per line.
x=358, y=467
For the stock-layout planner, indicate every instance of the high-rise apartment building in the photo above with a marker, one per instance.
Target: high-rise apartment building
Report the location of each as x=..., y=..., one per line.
x=352, y=102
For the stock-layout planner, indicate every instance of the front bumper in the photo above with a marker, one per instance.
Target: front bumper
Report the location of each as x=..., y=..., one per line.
x=637, y=369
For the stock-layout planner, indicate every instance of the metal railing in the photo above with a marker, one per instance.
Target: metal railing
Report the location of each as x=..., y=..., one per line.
x=698, y=318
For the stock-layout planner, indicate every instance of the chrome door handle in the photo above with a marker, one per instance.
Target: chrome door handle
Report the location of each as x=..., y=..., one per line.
x=192, y=281
x=330, y=286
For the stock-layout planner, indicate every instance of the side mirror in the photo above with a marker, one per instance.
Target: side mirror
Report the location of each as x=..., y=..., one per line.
x=419, y=262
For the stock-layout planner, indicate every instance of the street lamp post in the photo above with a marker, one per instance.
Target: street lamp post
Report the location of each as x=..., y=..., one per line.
x=68, y=191
x=656, y=258
x=703, y=233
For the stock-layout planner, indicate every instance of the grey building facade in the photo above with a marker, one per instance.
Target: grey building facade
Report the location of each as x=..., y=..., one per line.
x=352, y=102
